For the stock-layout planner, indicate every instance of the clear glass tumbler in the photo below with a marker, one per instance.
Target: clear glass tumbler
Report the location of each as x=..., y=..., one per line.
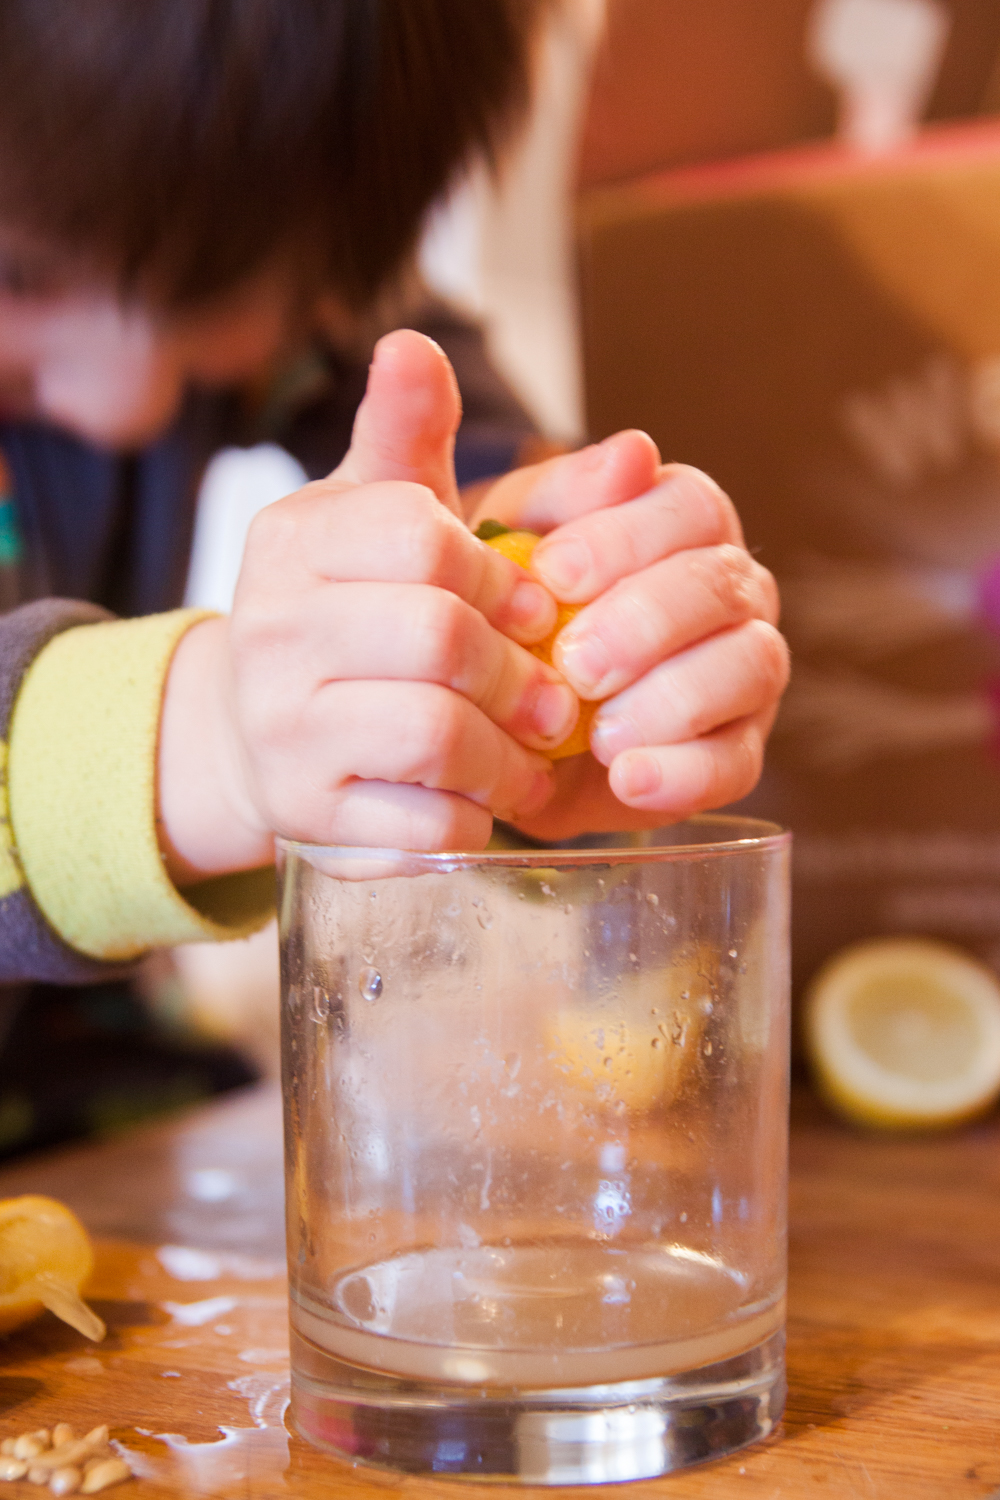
x=536, y=1131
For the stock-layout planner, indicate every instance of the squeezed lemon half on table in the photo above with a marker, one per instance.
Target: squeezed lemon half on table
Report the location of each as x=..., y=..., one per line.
x=904, y=1034
x=518, y=546
x=45, y=1258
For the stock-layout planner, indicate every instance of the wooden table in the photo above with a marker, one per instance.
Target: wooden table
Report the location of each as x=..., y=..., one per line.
x=894, y=1333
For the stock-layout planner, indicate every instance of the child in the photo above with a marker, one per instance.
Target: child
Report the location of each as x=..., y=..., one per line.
x=193, y=193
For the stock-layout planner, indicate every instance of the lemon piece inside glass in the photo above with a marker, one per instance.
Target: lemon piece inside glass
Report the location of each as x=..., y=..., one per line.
x=518, y=546
x=45, y=1259
x=645, y=1060
x=904, y=1033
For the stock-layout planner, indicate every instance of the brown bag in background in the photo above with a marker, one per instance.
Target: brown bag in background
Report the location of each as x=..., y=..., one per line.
x=822, y=334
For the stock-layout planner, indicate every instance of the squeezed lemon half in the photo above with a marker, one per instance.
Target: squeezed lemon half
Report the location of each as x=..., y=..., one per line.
x=45, y=1258
x=644, y=1060
x=518, y=546
x=904, y=1034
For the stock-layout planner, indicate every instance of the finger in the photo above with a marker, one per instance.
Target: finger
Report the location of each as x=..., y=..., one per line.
x=413, y=632
x=729, y=676
x=677, y=780
x=396, y=532
x=547, y=494
x=400, y=732
x=685, y=509
x=405, y=426
x=644, y=619
x=380, y=814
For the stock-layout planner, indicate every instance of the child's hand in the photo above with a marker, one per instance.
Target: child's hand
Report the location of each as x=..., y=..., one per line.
x=368, y=688
x=678, y=633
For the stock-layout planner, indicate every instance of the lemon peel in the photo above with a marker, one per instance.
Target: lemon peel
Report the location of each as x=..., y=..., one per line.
x=45, y=1259
x=904, y=1034
x=518, y=547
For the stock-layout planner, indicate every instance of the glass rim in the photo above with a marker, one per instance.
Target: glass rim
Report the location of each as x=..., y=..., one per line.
x=746, y=835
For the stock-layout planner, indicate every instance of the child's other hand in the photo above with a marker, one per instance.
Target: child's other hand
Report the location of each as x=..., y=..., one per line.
x=678, y=633
x=373, y=688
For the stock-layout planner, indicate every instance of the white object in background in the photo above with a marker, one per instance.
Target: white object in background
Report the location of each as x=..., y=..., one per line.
x=503, y=252
x=238, y=483
x=232, y=991
x=883, y=57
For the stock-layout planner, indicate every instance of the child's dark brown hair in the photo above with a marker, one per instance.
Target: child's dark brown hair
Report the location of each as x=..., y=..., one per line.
x=177, y=145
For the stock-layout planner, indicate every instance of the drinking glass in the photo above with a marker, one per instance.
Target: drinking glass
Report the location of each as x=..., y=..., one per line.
x=536, y=1144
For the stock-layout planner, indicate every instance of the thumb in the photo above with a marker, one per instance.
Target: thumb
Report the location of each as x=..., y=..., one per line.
x=405, y=426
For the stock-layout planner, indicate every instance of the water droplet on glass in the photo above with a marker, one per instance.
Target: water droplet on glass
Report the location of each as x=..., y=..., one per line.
x=734, y=953
x=653, y=899
x=321, y=1003
x=370, y=984
x=484, y=918
x=678, y=1030
x=609, y=1063
x=657, y=1043
x=568, y=908
x=632, y=958
x=512, y=1063
x=684, y=1218
x=546, y=889
x=707, y=1049
x=621, y=1107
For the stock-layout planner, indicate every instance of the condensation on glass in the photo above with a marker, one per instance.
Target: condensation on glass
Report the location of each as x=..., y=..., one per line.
x=536, y=1134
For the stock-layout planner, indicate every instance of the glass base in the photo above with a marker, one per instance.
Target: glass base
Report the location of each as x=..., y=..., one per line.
x=590, y=1435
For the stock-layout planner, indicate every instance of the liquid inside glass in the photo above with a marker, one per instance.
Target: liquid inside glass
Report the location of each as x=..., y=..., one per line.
x=540, y=1314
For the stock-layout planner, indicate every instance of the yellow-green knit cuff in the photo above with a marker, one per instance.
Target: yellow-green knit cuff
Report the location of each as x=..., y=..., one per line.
x=82, y=783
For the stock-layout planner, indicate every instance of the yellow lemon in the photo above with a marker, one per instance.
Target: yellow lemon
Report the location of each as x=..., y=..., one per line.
x=45, y=1258
x=641, y=1061
x=518, y=546
x=904, y=1033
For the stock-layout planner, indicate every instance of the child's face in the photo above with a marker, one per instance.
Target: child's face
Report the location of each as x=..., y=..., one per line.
x=73, y=355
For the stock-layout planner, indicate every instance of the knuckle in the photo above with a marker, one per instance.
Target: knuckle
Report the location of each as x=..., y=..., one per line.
x=273, y=529
x=434, y=732
x=429, y=539
x=733, y=581
x=770, y=605
x=773, y=654
x=720, y=516
x=746, y=762
x=442, y=627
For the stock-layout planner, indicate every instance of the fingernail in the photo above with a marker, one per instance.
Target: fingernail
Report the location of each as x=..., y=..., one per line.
x=585, y=663
x=639, y=776
x=610, y=736
x=562, y=563
x=532, y=608
x=554, y=711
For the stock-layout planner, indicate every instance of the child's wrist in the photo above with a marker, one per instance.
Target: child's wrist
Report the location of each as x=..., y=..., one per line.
x=207, y=821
